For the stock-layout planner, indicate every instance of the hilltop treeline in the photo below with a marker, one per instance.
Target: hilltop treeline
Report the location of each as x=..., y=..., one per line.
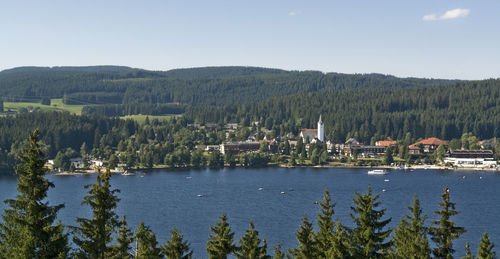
x=192, y=87
x=29, y=228
x=424, y=111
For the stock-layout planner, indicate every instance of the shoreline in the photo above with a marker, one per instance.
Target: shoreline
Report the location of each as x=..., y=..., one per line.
x=417, y=167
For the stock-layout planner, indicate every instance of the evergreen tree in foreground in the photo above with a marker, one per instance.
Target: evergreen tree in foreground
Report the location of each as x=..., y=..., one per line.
x=410, y=237
x=176, y=247
x=307, y=244
x=250, y=247
x=220, y=243
x=94, y=235
x=340, y=244
x=368, y=235
x=28, y=229
x=485, y=250
x=277, y=252
x=124, y=239
x=146, y=244
x=324, y=237
x=444, y=231
x=468, y=254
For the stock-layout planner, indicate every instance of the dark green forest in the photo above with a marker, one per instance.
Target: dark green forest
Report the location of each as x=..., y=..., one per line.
x=367, y=107
x=443, y=111
x=192, y=87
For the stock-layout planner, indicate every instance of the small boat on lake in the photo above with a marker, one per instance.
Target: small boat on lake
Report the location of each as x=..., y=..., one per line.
x=377, y=171
x=127, y=173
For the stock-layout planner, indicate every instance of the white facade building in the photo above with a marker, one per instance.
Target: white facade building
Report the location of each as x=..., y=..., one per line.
x=471, y=162
x=471, y=158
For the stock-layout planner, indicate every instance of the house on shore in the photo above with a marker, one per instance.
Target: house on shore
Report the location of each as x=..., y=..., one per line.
x=239, y=147
x=364, y=151
x=208, y=148
x=471, y=158
x=429, y=145
x=385, y=143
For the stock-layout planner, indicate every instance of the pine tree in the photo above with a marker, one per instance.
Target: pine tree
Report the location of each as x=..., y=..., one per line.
x=84, y=155
x=146, y=244
x=324, y=236
x=388, y=158
x=444, y=230
x=410, y=237
x=339, y=248
x=28, y=229
x=176, y=247
x=307, y=244
x=277, y=252
x=250, y=247
x=94, y=235
x=220, y=243
x=485, y=250
x=124, y=239
x=368, y=235
x=440, y=153
x=468, y=254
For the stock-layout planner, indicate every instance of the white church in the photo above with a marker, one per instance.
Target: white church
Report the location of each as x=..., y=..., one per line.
x=314, y=135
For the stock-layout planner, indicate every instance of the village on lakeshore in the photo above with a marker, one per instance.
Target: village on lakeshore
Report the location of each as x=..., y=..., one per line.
x=309, y=147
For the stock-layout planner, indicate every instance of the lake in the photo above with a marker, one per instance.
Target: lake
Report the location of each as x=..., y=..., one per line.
x=164, y=199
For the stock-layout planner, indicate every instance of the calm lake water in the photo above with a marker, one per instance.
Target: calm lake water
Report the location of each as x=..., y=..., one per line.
x=164, y=199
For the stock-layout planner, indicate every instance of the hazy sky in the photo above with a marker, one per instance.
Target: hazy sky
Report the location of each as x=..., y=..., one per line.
x=440, y=39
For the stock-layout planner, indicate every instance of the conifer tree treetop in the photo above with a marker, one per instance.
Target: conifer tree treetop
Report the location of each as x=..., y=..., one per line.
x=28, y=229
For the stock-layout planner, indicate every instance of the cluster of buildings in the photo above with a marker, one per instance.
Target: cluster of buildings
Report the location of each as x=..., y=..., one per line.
x=353, y=148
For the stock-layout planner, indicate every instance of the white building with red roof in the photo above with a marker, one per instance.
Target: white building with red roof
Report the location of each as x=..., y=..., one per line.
x=427, y=145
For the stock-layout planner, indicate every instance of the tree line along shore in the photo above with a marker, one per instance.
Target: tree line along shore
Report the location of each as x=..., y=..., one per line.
x=80, y=143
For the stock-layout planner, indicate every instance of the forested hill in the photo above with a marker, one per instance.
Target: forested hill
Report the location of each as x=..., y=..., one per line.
x=191, y=87
x=220, y=72
x=444, y=111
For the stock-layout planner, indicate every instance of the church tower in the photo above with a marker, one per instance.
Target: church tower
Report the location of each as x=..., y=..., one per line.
x=321, y=130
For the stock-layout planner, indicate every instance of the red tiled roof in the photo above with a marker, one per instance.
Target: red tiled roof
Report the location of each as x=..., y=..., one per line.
x=386, y=143
x=413, y=146
x=432, y=141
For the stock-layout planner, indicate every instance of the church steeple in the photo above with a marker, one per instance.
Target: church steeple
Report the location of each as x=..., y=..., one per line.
x=321, y=130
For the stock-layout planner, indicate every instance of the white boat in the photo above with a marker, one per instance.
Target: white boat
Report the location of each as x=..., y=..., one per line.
x=127, y=173
x=377, y=171
x=260, y=189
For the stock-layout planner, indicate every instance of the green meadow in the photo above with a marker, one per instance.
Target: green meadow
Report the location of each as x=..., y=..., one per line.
x=55, y=105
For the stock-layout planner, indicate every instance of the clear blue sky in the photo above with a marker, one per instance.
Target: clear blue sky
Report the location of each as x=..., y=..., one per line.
x=440, y=39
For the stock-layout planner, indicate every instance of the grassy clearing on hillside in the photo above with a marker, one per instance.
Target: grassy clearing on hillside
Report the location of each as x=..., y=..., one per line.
x=142, y=118
x=55, y=105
